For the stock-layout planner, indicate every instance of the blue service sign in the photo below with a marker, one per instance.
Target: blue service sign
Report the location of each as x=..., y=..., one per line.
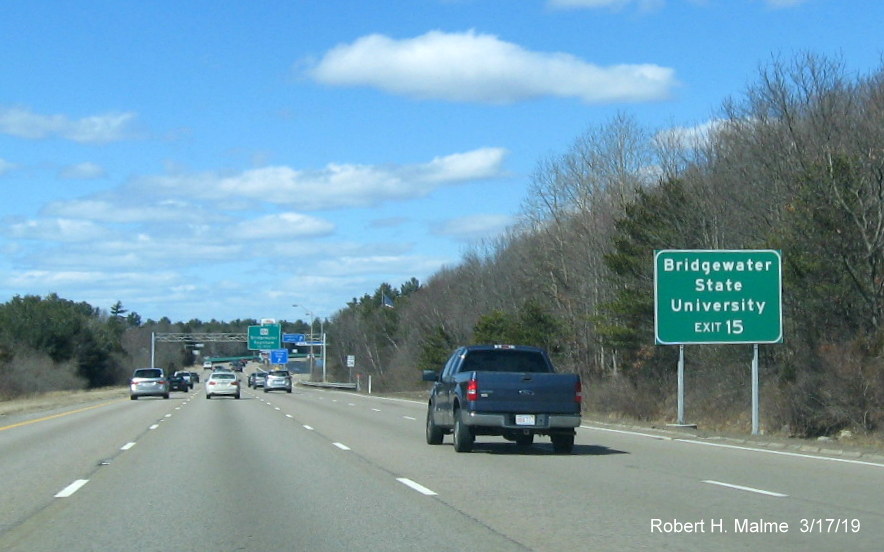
x=294, y=338
x=279, y=356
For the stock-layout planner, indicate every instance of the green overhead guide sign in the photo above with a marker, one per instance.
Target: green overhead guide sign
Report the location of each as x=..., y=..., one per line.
x=717, y=296
x=265, y=338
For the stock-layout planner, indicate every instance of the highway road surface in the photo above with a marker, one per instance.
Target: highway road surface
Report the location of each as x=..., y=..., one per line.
x=320, y=470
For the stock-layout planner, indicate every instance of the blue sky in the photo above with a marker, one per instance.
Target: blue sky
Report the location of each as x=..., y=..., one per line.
x=227, y=160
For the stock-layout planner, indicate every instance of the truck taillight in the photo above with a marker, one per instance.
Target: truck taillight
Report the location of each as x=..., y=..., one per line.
x=473, y=390
x=578, y=392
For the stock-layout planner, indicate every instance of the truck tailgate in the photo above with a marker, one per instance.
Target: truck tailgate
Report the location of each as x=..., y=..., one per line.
x=512, y=392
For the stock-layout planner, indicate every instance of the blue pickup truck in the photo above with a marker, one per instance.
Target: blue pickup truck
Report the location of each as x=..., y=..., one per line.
x=504, y=390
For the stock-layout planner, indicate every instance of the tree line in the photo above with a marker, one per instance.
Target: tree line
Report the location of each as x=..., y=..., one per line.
x=50, y=343
x=794, y=163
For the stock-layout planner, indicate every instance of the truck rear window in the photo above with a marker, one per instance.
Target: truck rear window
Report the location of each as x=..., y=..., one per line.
x=504, y=361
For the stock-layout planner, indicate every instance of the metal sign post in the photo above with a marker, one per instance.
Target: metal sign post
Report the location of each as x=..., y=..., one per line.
x=681, y=385
x=755, y=407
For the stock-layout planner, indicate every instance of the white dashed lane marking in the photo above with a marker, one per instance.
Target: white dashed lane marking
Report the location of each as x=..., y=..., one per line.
x=72, y=488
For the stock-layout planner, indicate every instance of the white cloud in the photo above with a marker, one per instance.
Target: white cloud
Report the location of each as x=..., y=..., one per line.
x=474, y=227
x=83, y=171
x=5, y=166
x=473, y=67
x=60, y=229
x=118, y=249
x=282, y=226
x=196, y=228
x=335, y=186
x=347, y=266
x=121, y=210
x=461, y=167
x=689, y=137
x=108, y=127
x=101, y=288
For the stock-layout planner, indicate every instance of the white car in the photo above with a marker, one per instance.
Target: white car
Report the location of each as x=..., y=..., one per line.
x=222, y=383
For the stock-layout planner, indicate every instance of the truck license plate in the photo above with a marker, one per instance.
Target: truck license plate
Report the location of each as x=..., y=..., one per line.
x=525, y=419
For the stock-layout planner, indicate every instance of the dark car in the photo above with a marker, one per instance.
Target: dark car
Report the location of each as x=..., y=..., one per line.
x=187, y=376
x=178, y=382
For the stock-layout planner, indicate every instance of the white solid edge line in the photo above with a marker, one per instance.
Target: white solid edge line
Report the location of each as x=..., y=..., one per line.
x=72, y=488
x=783, y=453
x=374, y=397
x=417, y=487
x=736, y=447
x=742, y=488
x=626, y=432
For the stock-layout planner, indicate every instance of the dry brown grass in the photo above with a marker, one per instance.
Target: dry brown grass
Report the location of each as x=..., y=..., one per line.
x=59, y=399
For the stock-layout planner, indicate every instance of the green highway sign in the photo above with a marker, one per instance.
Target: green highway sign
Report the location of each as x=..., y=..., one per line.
x=718, y=296
x=265, y=338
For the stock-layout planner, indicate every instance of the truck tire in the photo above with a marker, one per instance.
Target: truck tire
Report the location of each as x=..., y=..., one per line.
x=463, y=438
x=434, y=432
x=562, y=444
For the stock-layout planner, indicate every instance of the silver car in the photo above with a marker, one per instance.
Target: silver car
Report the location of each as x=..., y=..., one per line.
x=222, y=383
x=256, y=379
x=148, y=382
x=279, y=380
